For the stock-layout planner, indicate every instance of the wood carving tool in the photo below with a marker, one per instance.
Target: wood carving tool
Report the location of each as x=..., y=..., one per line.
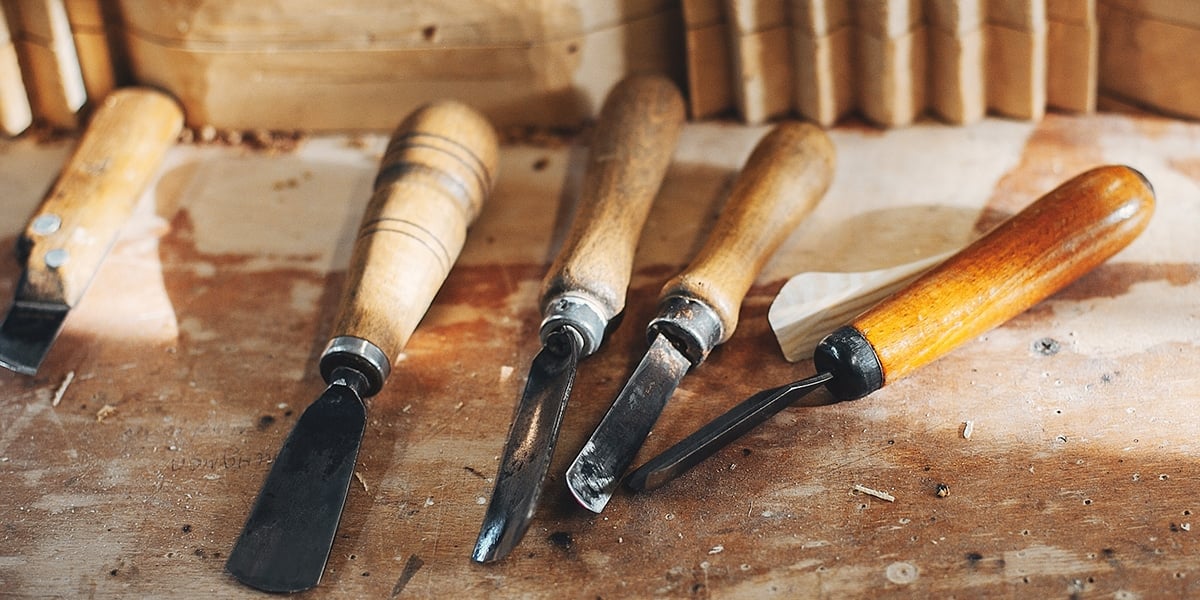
x=583, y=294
x=782, y=181
x=77, y=223
x=1030, y=256
x=432, y=181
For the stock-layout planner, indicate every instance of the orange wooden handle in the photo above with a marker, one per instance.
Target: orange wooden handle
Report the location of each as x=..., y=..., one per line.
x=1032, y=255
x=78, y=221
x=784, y=178
x=433, y=179
x=633, y=141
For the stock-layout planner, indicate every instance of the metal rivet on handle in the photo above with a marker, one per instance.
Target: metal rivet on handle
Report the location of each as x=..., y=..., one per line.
x=46, y=224
x=57, y=258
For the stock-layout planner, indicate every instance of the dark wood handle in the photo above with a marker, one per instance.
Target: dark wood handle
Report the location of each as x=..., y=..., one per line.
x=631, y=149
x=433, y=179
x=1037, y=252
x=78, y=221
x=784, y=178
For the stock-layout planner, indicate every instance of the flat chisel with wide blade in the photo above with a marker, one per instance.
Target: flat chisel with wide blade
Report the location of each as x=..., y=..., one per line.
x=782, y=181
x=584, y=292
x=1030, y=256
x=78, y=221
x=432, y=181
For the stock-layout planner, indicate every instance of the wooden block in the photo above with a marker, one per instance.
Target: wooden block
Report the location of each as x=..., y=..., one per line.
x=955, y=16
x=747, y=16
x=15, y=113
x=820, y=17
x=1021, y=15
x=91, y=46
x=1072, y=66
x=1180, y=12
x=1144, y=61
x=703, y=13
x=762, y=72
x=49, y=63
x=956, y=89
x=892, y=77
x=517, y=63
x=1016, y=72
x=824, y=76
x=888, y=18
x=1071, y=11
x=709, y=71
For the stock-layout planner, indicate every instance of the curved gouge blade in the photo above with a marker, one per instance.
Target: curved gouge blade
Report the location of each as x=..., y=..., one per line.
x=79, y=219
x=316, y=463
x=432, y=181
x=531, y=440
x=594, y=474
x=718, y=433
x=583, y=293
x=784, y=178
x=1030, y=256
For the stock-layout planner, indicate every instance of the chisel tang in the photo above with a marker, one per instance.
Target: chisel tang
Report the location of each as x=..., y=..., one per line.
x=438, y=168
x=1058, y=238
x=631, y=149
x=782, y=181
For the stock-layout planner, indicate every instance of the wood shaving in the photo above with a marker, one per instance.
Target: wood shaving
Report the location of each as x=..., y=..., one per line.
x=968, y=429
x=505, y=373
x=62, y=388
x=363, y=480
x=717, y=549
x=876, y=493
x=105, y=412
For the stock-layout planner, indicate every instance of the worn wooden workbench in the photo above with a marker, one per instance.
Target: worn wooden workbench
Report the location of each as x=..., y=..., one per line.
x=128, y=464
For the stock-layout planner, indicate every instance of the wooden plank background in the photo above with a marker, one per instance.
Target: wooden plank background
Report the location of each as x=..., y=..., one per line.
x=201, y=335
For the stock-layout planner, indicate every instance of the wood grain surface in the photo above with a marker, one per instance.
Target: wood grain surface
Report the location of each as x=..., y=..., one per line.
x=202, y=330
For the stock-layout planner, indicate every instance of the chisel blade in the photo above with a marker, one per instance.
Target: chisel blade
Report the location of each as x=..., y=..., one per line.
x=287, y=537
x=27, y=333
x=531, y=441
x=597, y=470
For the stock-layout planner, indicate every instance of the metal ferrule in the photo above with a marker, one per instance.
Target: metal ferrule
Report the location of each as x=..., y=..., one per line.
x=581, y=313
x=360, y=355
x=692, y=327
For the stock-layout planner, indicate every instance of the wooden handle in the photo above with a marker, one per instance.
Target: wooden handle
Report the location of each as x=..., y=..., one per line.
x=633, y=141
x=784, y=178
x=79, y=219
x=1037, y=252
x=433, y=179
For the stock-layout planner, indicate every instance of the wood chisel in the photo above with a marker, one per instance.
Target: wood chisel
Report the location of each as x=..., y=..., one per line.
x=584, y=292
x=782, y=181
x=78, y=221
x=1030, y=256
x=438, y=169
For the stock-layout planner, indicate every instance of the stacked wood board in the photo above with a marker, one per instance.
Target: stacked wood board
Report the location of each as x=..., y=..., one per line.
x=306, y=65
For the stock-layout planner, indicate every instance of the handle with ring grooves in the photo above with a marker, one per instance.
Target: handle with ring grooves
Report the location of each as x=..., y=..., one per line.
x=1032, y=255
x=438, y=169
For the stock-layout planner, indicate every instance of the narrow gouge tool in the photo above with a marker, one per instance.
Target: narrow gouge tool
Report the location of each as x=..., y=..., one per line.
x=432, y=181
x=1032, y=255
x=79, y=219
x=584, y=292
x=782, y=181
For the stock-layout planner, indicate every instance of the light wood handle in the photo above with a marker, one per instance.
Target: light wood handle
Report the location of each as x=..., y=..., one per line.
x=78, y=221
x=631, y=149
x=433, y=179
x=1037, y=252
x=784, y=178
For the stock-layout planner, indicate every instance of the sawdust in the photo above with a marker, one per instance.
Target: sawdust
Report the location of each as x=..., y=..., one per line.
x=968, y=429
x=105, y=412
x=876, y=493
x=259, y=140
x=363, y=480
x=62, y=388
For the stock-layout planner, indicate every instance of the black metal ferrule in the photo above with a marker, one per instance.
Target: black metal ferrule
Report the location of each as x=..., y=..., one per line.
x=848, y=355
